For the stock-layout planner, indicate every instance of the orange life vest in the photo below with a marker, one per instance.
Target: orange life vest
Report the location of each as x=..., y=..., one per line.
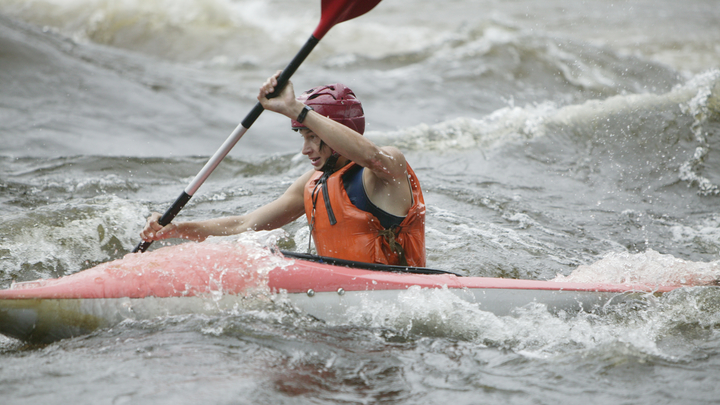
x=357, y=235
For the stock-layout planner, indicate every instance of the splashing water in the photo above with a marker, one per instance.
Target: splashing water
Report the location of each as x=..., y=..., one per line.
x=650, y=267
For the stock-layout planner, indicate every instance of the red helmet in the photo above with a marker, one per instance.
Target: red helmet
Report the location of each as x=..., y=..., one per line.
x=336, y=102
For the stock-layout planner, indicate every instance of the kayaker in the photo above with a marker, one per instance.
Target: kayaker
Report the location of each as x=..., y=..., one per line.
x=362, y=202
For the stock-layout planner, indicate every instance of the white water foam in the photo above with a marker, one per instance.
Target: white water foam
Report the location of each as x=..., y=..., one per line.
x=698, y=98
x=650, y=267
x=531, y=331
x=704, y=234
x=702, y=106
x=504, y=125
x=79, y=234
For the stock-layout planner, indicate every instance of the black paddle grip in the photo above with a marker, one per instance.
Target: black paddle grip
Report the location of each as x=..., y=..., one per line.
x=283, y=79
x=167, y=217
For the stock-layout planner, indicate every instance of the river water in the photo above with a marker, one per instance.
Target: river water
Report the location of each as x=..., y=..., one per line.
x=560, y=139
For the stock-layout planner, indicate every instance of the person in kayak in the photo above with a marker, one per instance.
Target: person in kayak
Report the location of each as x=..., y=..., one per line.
x=362, y=202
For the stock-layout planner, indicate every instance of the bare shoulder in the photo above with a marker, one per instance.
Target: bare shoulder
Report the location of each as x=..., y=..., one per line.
x=392, y=173
x=395, y=163
x=391, y=190
x=393, y=151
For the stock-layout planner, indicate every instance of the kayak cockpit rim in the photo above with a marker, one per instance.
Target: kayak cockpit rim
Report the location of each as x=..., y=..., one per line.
x=365, y=266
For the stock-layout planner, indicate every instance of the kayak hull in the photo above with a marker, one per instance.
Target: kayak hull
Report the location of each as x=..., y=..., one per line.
x=49, y=310
x=47, y=320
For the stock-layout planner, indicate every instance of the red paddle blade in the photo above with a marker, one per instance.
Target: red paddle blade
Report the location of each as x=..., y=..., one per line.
x=337, y=11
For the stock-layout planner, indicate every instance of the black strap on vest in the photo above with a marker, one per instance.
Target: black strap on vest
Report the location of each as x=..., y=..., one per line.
x=322, y=183
x=328, y=169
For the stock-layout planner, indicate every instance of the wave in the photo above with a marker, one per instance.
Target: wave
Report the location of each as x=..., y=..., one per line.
x=660, y=137
x=62, y=239
x=469, y=72
x=238, y=34
x=637, y=327
x=65, y=99
x=649, y=267
x=177, y=30
x=225, y=33
x=66, y=214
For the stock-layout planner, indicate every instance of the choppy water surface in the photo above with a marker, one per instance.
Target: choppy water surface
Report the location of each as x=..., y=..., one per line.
x=576, y=140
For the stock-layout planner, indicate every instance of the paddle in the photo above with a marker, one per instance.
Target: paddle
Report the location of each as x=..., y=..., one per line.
x=333, y=12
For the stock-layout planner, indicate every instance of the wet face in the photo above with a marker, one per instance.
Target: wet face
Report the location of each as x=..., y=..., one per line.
x=312, y=149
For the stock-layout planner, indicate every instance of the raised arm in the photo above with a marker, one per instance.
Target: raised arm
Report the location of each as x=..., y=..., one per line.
x=386, y=163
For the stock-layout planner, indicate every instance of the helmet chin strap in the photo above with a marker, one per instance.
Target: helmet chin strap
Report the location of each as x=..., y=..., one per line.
x=330, y=163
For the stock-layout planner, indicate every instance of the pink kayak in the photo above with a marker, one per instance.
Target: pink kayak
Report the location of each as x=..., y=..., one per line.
x=210, y=278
